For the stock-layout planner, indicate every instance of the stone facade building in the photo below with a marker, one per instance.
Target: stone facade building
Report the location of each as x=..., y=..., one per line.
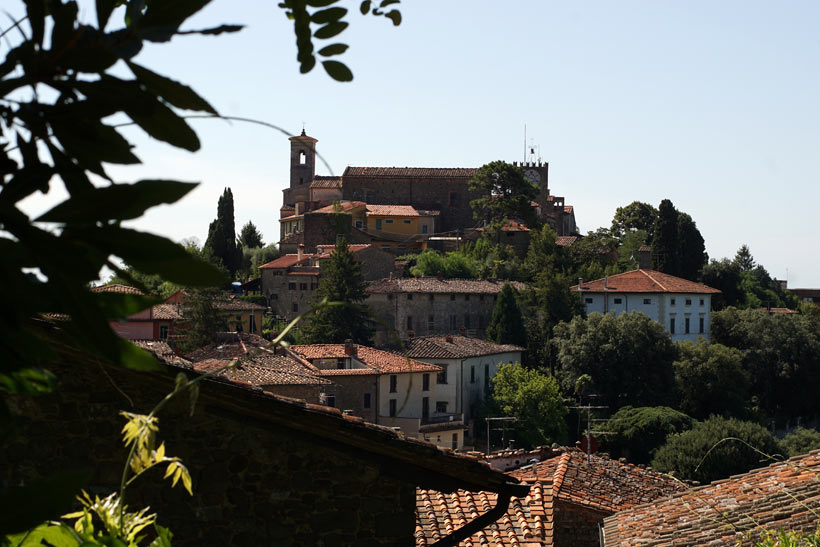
x=409, y=307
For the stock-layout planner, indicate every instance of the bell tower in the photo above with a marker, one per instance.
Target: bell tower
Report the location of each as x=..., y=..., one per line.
x=302, y=168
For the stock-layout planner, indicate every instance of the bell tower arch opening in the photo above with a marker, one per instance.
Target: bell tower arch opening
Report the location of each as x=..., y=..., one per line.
x=302, y=168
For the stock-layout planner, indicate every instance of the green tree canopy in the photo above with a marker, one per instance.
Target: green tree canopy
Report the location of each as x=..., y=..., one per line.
x=202, y=320
x=711, y=380
x=250, y=237
x=506, y=194
x=345, y=317
x=639, y=432
x=535, y=399
x=628, y=356
x=691, y=248
x=744, y=259
x=677, y=244
x=637, y=216
x=800, y=441
x=452, y=265
x=507, y=324
x=710, y=450
x=723, y=275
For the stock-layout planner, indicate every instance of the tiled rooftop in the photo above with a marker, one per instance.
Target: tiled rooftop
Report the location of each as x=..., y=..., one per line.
x=265, y=369
x=384, y=361
x=354, y=248
x=435, y=285
x=778, y=310
x=565, y=241
x=286, y=261
x=645, y=281
x=117, y=288
x=783, y=495
x=392, y=210
x=411, y=172
x=511, y=226
x=234, y=304
x=453, y=347
x=326, y=182
x=235, y=345
x=166, y=311
x=163, y=352
x=341, y=207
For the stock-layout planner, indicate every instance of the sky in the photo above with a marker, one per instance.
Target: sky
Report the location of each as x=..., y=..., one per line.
x=713, y=105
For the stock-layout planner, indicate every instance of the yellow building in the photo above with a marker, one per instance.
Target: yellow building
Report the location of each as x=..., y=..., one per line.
x=400, y=228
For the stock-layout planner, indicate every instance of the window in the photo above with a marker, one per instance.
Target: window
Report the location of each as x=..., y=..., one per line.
x=330, y=400
x=410, y=296
x=273, y=297
x=359, y=224
x=385, y=247
x=340, y=362
x=409, y=322
x=472, y=374
x=672, y=302
x=392, y=407
x=388, y=221
x=588, y=300
x=294, y=307
x=441, y=377
x=455, y=441
x=425, y=409
x=251, y=323
x=486, y=377
x=292, y=286
x=163, y=331
x=466, y=320
x=481, y=298
x=452, y=200
x=701, y=301
x=366, y=402
x=379, y=226
x=424, y=228
x=647, y=301
x=431, y=323
x=425, y=382
x=406, y=221
x=688, y=301
x=302, y=286
x=686, y=325
x=466, y=297
x=619, y=300
x=441, y=406
x=672, y=325
x=393, y=381
x=701, y=325
x=302, y=158
x=452, y=297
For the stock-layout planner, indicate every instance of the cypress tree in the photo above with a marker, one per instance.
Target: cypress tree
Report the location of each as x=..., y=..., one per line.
x=221, y=247
x=691, y=248
x=665, y=241
x=343, y=286
x=507, y=324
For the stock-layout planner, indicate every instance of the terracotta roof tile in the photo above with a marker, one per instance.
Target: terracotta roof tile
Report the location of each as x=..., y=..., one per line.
x=454, y=347
x=286, y=261
x=435, y=285
x=163, y=352
x=411, y=172
x=645, y=249
x=322, y=250
x=341, y=207
x=166, y=311
x=117, y=288
x=383, y=361
x=326, y=182
x=265, y=369
x=645, y=281
x=392, y=210
x=778, y=310
x=784, y=495
x=565, y=241
x=568, y=209
x=234, y=304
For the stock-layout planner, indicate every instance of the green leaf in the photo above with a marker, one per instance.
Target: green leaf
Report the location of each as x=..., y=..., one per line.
x=330, y=30
x=28, y=381
x=179, y=95
x=365, y=7
x=137, y=358
x=328, y=15
x=163, y=124
x=333, y=49
x=24, y=507
x=394, y=16
x=118, y=201
x=104, y=9
x=164, y=537
x=53, y=534
x=338, y=71
x=91, y=142
x=119, y=306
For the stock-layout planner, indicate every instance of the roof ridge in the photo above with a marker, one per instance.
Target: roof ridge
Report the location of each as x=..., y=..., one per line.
x=560, y=471
x=646, y=273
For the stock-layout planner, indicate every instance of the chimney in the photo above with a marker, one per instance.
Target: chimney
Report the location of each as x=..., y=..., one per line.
x=350, y=347
x=449, y=338
x=300, y=252
x=606, y=281
x=580, y=284
x=461, y=330
x=439, y=276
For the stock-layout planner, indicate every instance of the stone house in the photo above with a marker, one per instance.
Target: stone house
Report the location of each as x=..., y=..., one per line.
x=289, y=283
x=387, y=389
x=267, y=470
x=733, y=511
x=468, y=365
x=413, y=306
x=683, y=307
x=569, y=497
x=157, y=322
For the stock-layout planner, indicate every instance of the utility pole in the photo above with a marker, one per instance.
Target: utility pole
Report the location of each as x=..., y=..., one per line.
x=590, y=419
x=501, y=419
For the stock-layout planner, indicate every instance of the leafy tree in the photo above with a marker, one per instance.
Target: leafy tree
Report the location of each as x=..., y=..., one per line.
x=800, y=441
x=535, y=399
x=628, y=356
x=452, y=265
x=711, y=450
x=507, y=324
x=781, y=354
x=628, y=250
x=548, y=303
x=202, y=320
x=544, y=256
x=250, y=237
x=665, y=239
x=637, y=216
x=342, y=286
x=594, y=255
x=255, y=257
x=744, y=259
x=711, y=380
x=639, y=432
x=506, y=194
x=220, y=247
x=723, y=275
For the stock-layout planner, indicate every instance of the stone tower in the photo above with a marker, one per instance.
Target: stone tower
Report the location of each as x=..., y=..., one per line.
x=302, y=168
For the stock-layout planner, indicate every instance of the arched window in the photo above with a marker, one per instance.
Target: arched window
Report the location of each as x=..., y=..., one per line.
x=302, y=157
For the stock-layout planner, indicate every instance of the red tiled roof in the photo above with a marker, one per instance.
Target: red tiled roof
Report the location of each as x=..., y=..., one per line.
x=238, y=345
x=234, y=304
x=392, y=210
x=645, y=281
x=326, y=182
x=163, y=352
x=166, y=311
x=285, y=261
x=645, y=249
x=341, y=207
x=354, y=248
x=383, y=361
x=784, y=495
x=435, y=285
x=265, y=369
x=458, y=347
x=411, y=172
x=778, y=310
x=117, y=288
x=565, y=241
x=568, y=209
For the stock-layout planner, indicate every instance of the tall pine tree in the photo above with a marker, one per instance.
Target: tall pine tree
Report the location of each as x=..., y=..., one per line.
x=507, y=324
x=221, y=247
x=343, y=286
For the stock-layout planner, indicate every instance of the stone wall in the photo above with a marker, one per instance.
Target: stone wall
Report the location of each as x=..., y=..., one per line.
x=349, y=391
x=255, y=482
x=576, y=526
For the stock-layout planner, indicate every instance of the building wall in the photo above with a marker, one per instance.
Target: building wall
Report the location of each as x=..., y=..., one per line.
x=240, y=320
x=133, y=330
x=308, y=394
x=660, y=307
x=392, y=225
x=285, y=290
x=408, y=394
x=430, y=313
x=349, y=392
x=325, y=194
x=576, y=526
x=476, y=384
x=254, y=482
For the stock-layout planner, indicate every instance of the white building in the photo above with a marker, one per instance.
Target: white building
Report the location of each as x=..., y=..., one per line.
x=468, y=366
x=681, y=306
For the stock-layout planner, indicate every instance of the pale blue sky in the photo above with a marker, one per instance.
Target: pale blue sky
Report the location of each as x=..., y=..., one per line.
x=714, y=105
